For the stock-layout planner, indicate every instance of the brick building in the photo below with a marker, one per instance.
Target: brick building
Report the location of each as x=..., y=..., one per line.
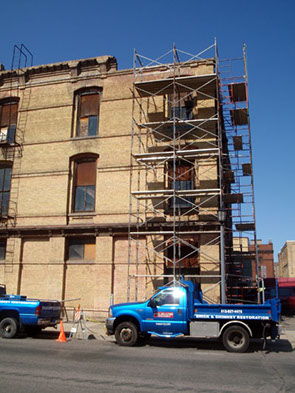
x=287, y=259
x=69, y=227
x=265, y=259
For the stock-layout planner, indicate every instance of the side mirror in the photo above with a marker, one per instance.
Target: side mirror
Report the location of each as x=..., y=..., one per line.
x=152, y=303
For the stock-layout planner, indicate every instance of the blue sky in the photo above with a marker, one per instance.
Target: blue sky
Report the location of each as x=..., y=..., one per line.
x=64, y=30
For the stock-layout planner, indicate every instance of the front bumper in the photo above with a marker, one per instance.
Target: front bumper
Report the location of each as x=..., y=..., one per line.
x=109, y=324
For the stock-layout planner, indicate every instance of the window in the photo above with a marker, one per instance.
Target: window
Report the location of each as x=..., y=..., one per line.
x=88, y=109
x=2, y=249
x=81, y=248
x=5, y=180
x=286, y=292
x=184, y=105
x=84, y=185
x=167, y=297
x=187, y=259
x=184, y=180
x=263, y=271
x=8, y=119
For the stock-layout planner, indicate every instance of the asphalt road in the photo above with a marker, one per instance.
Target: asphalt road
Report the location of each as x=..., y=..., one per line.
x=42, y=365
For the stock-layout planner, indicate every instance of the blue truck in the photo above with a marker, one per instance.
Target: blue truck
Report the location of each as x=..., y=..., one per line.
x=179, y=309
x=20, y=313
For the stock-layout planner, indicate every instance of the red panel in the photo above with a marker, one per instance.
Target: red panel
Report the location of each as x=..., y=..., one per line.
x=183, y=172
x=89, y=104
x=8, y=114
x=86, y=173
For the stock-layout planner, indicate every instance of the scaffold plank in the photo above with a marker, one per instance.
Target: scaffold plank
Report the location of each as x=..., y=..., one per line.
x=247, y=169
x=237, y=92
x=229, y=177
x=149, y=194
x=248, y=226
x=206, y=83
x=204, y=124
x=239, y=117
x=238, y=142
x=151, y=233
x=233, y=198
x=166, y=155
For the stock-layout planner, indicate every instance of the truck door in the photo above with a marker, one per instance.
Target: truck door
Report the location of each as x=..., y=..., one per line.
x=166, y=313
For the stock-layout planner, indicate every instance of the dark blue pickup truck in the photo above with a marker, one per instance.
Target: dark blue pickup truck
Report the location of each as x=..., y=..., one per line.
x=20, y=313
x=179, y=309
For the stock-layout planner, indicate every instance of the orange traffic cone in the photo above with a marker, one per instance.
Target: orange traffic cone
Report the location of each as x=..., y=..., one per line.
x=62, y=336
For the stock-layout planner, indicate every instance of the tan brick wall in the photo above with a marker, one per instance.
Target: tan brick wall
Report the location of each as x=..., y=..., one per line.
x=43, y=180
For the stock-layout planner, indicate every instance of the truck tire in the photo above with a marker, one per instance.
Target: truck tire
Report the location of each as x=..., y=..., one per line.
x=126, y=334
x=236, y=339
x=8, y=328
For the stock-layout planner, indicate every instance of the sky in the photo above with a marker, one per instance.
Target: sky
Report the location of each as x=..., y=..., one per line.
x=62, y=30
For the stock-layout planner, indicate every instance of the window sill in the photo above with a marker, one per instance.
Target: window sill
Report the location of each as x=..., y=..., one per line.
x=82, y=214
x=79, y=262
x=79, y=138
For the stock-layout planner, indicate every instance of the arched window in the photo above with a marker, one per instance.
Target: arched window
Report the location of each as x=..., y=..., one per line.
x=87, y=104
x=84, y=184
x=8, y=120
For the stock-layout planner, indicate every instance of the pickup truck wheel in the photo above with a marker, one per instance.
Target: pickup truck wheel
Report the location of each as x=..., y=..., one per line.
x=8, y=328
x=236, y=339
x=126, y=334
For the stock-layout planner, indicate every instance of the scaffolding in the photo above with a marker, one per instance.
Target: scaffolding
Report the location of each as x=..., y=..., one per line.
x=184, y=173
x=241, y=256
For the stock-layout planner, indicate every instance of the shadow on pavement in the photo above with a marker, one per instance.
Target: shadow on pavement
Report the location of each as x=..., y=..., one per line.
x=216, y=345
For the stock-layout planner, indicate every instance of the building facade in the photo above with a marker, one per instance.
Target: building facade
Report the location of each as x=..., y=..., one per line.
x=287, y=260
x=111, y=180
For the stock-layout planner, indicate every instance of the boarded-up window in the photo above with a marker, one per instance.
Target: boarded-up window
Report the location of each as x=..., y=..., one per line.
x=88, y=114
x=81, y=248
x=184, y=180
x=8, y=119
x=85, y=179
x=5, y=180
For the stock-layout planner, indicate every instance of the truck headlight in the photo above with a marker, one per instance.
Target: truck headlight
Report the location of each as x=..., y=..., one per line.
x=110, y=312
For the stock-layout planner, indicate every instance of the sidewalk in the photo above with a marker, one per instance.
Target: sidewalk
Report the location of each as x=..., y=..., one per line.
x=96, y=330
x=288, y=333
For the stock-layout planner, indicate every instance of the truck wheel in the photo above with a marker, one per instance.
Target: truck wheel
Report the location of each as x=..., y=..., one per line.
x=126, y=334
x=8, y=327
x=236, y=339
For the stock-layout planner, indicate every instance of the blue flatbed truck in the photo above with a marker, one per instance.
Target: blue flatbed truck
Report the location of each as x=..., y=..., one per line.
x=180, y=310
x=21, y=313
